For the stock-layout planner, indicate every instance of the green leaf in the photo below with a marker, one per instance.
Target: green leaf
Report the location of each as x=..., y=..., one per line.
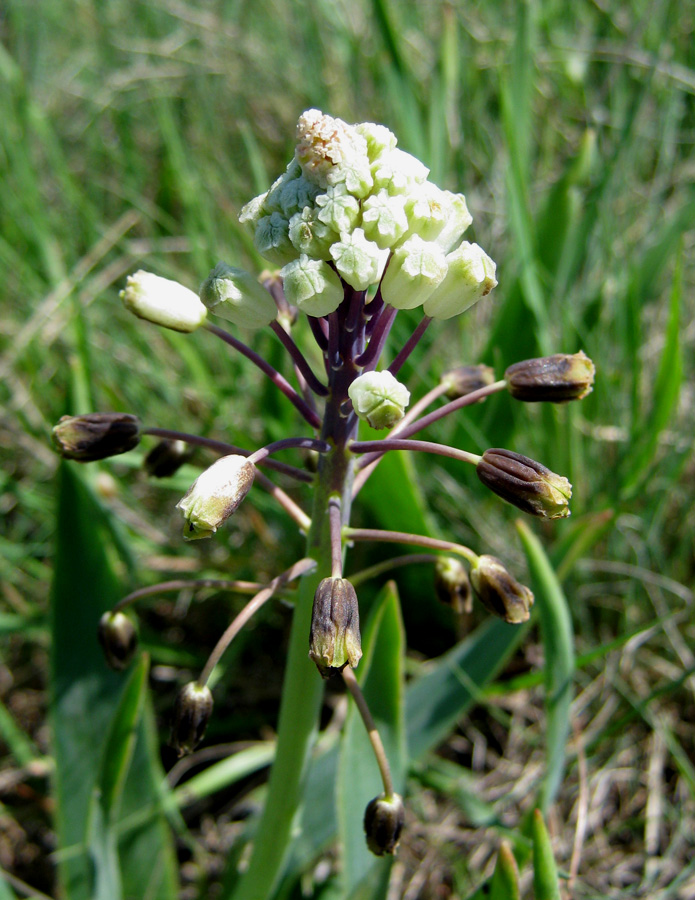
x=85, y=700
x=558, y=646
x=545, y=879
x=505, y=878
x=381, y=676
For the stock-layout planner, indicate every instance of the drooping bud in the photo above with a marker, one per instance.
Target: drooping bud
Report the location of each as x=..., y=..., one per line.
x=334, y=640
x=118, y=638
x=215, y=495
x=384, y=819
x=379, y=398
x=466, y=379
x=163, y=302
x=551, y=379
x=95, y=435
x=525, y=483
x=166, y=458
x=414, y=271
x=235, y=295
x=451, y=584
x=499, y=592
x=469, y=277
x=192, y=711
x=312, y=285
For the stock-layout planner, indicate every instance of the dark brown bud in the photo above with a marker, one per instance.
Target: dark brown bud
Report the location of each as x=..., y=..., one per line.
x=383, y=822
x=499, y=592
x=451, y=584
x=166, y=458
x=467, y=379
x=525, y=483
x=95, y=435
x=334, y=640
x=119, y=639
x=553, y=379
x=192, y=711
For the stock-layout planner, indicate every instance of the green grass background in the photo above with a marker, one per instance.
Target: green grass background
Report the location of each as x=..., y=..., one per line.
x=131, y=134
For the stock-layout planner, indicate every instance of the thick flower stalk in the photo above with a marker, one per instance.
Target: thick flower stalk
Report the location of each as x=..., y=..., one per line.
x=358, y=233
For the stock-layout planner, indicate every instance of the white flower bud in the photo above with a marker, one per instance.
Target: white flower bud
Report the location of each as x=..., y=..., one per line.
x=359, y=261
x=379, y=139
x=415, y=270
x=309, y=235
x=338, y=209
x=379, y=399
x=163, y=302
x=330, y=151
x=235, y=295
x=272, y=239
x=312, y=285
x=398, y=171
x=215, y=495
x=470, y=276
x=457, y=221
x=383, y=218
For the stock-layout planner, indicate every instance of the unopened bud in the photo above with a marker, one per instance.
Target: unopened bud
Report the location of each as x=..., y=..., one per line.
x=379, y=398
x=166, y=458
x=235, y=295
x=384, y=819
x=553, y=379
x=451, y=584
x=192, y=711
x=119, y=639
x=466, y=379
x=312, y=285
x=525, y=483
x=163, y=302
x=334, y=640
x=95, y=435
x=215, y=495
x=470, y=276
x=499, y=592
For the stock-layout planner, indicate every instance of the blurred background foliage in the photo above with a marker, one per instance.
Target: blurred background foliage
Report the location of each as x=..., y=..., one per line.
x=131, y=133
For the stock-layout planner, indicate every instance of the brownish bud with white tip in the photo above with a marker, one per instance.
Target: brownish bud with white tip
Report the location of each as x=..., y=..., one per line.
x=525, y=483
x=384, y=818
x=499, y=592
x=96, y=435
x=334, y=640
x=551, y=379
x=118, y=638
x=466, y=379
x=452, y=585
x=192, y=711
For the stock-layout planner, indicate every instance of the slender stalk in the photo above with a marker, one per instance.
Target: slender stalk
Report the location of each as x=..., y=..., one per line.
x=226, y=449
x=299, y=360
x=425, y=446
x=287, y=503
x=370, y=357
x=318, y=329
x=404, y=537
x=278, y=380
x=335, y=522
x=180, y=584
x=288, y=443
x=295, y=571
x=410, y=345
x=372, y=731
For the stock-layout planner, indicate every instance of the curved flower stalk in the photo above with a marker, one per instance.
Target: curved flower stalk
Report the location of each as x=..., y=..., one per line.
x=358, y=233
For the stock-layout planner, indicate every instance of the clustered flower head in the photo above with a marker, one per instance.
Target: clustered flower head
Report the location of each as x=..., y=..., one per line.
x=358, y=233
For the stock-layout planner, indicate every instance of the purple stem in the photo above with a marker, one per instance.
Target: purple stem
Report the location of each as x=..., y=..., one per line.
x=334, y=360
x=410, y=345
x=370, y=357
x=426, y=446
x=277, y=379
x=226, y=449
x=372, y=311
x=299, y=360
x=317, y=326
x=287, y=443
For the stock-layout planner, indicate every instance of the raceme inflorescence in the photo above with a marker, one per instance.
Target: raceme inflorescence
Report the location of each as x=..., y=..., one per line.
x=358, y=232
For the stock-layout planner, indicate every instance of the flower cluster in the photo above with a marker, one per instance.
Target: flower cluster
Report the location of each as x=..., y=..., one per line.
x=359, y=233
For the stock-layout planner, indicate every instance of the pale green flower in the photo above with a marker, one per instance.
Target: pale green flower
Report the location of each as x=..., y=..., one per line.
x=415, y=270
x=235, y=295
x=359, y=261
x=383, y=218
x=379, y=398
x=312, y=285
x=470, y=276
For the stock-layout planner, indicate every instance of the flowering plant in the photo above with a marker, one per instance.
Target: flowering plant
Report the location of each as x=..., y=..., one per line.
x=359, y=233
